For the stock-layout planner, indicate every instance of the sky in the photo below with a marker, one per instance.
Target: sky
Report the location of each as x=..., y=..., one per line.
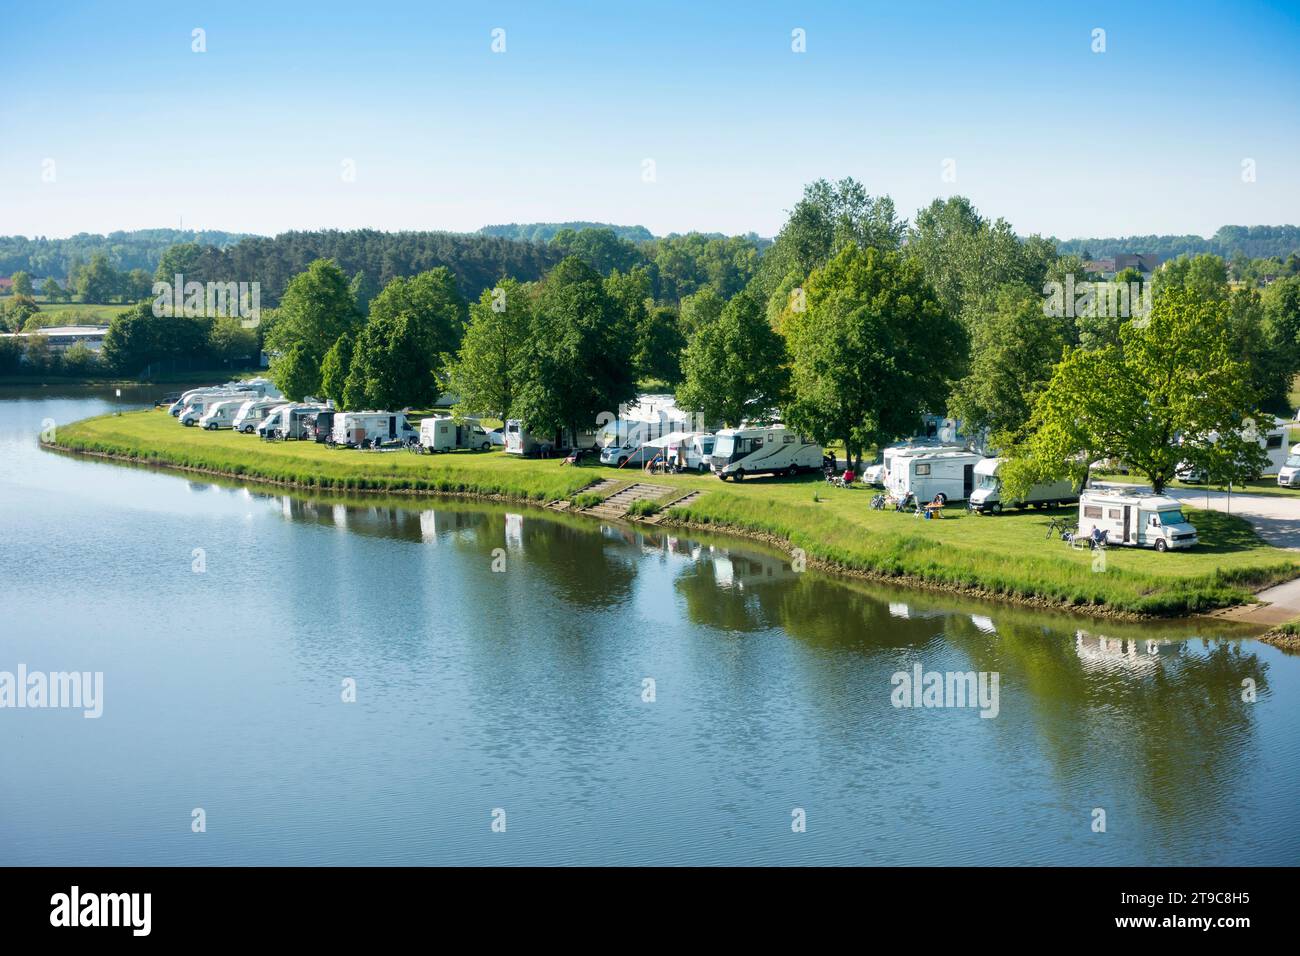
x=674, y=115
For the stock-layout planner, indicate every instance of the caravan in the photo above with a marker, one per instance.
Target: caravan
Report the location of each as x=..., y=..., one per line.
x=775, y=449
x=448, y=434
x=371, y=429
x=931, y=473
x=1143, y=520
x=987, y=496
x=520, y=441
x=221, y=414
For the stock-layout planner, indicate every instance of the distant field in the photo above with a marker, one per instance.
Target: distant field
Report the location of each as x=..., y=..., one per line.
x=77, y=313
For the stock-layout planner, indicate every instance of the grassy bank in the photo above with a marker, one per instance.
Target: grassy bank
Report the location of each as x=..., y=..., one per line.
x=1008, y=556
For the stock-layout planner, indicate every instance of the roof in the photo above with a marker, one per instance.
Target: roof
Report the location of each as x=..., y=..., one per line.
x=66, y=331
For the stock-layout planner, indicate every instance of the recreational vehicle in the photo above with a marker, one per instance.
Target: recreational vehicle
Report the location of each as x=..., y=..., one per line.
x=1288, y=475
x=371, y=429
x=685, y=451
x=199, y=404
x=938, y=473
x=221, y=414
x=290, y=422
x=448, y=434
x=739, y=452
x=987, y=496
x=318, y=427
x=1142, y=520
x=1272, y=442
x=253, y=412
x=520, y=441
x=257, y=387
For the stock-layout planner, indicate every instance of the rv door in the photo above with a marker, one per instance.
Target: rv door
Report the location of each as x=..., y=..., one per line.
x=1128, y=524
x=392, y=427
x=967, y=481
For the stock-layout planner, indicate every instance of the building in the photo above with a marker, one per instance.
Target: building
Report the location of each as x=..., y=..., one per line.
x=1144, y=262
x=65, y=336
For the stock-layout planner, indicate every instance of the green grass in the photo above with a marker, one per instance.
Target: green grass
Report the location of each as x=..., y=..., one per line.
x=1009, y=555
x=77, y=313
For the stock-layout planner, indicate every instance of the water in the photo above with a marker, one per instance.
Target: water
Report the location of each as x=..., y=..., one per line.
x=521, y=690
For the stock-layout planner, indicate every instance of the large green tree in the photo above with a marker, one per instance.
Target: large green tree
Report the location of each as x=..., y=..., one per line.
x=1172, y=390
x=735, y=367
x=317, y=307
x=490, y=367
x=873, y=350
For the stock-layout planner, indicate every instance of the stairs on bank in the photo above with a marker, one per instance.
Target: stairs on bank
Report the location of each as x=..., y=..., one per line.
x=617, y=504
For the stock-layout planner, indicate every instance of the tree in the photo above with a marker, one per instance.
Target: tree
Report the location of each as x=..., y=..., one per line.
x=19, y=310
x=131, y=342
x=80, y=359
x=659, y=344
x=363, y=289
x=735, y=367
x=414, y=326
x=231, y=343
x=873, y=350
x=316, y=309
x=579, y=360
x=701, y=309
x=1172, y=390
x=334, y=369
x=1012, y=354
x=22, y=283
x=489, y=370
x=98, y=281
x=136, y=286
x=52, y=291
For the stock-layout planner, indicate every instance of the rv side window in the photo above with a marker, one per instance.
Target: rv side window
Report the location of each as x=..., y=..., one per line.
x=1274, y=441
x=922, y=469
x=1114, y=514
x=789, y=438
x=1091, y=511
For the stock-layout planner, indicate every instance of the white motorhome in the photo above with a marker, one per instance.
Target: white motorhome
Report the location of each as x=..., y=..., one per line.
x=290, y=421
x=253, y=412
x=686, y=451
x=774, y=449
x=448, y=434
x=1288, y=476
x=257, y=387
x=935, y=473
x=199, y=404
x=221, y=414
x=987, y=496
x=371, y=429
x=1272, y=442
x=1142, y=520
x=520, y=441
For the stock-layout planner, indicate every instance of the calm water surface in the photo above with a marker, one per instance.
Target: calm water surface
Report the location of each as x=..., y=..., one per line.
x=522, y=690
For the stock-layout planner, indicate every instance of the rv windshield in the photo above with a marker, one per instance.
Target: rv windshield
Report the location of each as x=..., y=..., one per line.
x=723, y=446
x=1293, y=461
x=1171, y=516
x=987, y=483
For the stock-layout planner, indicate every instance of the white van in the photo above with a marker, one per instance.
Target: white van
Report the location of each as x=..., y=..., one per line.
x=1288, y=475
x=939, y=473
x=253, y=412
x=256, y=387
x=1142, y=520
x=372, y=429
x=199, y=404
x=447, y=434
x=987, y=496
x=775, y=449
x=221, y=414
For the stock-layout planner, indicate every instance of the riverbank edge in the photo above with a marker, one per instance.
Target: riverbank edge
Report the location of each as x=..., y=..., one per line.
x=782, y=544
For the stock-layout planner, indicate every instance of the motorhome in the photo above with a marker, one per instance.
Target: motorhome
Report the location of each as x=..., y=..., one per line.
x=936, y=473
x=1141, y=520
x=774, y=449
x=1288, y=476
x=253, y=412
x=987, y=496
x=200, y=404
x=520, y=441
x=221, y=414
x=448, y=434
x=290, y=422
x=257, y=387
x=319, y=426
x=372, y=429
x=1272, y=442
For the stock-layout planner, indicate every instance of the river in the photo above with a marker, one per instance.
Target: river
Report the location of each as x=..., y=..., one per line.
x=535, y=688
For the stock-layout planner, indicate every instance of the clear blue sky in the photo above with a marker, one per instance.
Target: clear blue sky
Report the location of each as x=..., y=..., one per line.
x=1147, y=137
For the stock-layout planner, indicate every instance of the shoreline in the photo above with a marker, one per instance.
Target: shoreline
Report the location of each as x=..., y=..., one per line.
x=667, y=520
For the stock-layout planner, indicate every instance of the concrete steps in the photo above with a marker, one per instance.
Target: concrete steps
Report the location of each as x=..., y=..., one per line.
x=617, y=504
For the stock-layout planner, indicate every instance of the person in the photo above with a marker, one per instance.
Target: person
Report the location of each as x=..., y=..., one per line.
x=848, y=476
x=1098, y=536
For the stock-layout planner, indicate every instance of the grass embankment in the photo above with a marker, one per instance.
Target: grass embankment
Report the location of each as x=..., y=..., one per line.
x=1286, y=636
x=1008, y=556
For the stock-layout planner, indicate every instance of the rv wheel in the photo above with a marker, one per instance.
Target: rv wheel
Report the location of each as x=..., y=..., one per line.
x=486, y=446
x=740, y=475
x=704, y=469
x=1161, y=546
x=997, y=507
x=622, y=461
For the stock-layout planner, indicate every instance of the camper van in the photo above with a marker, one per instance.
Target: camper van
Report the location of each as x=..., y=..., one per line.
x=932, y=473
x=520, y=441
x=448, y=434
x=775, y=449
x=253, y=412
x=987, y=496
x=290, y=422
x=256, y=387
x=318, y=426
x=1288, y=475
x=200, y=404
x=221, y=414
x=371, y=429
x=1142, y=520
